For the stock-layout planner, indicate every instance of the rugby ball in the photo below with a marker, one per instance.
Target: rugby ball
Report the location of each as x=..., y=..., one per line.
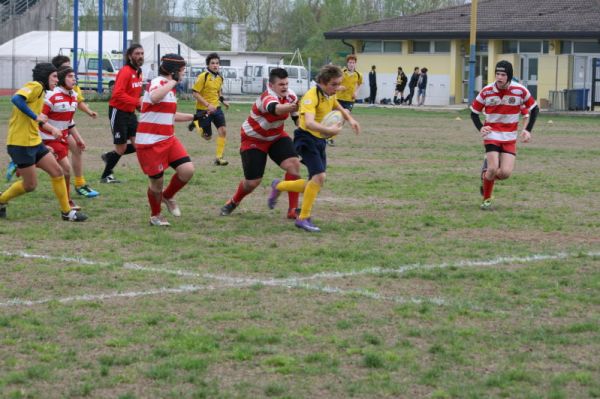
x=332, y=118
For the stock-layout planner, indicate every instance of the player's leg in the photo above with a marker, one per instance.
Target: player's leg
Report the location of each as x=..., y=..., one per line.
x=184, y=171
x=50, y=165
x=253, y=163
x=154, y=193
x=489, y=177
x=81, y=186
x=507, y=165
x=282, y=152
x=219, y=121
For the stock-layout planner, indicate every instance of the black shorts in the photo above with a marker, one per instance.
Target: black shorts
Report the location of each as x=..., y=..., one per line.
x=122, y=124
x=346, y=104
x=312, y=151
x=217, y=118
x=399, y=88
x=254, y=160
x=25, y=157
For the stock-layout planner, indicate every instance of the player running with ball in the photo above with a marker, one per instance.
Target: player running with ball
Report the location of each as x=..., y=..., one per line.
x=502, y=102
x=309, y=141
x=262, y=134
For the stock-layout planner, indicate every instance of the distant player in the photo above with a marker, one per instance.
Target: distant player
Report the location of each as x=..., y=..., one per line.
x=309, y=141
x=60, y=106
x=25, y=147
x=351, y=83
x=157, y=146
x=401, y=80
x=262, y=134
x=124, y=101
x=207, y=91
x=502, y=101
x=77, y=147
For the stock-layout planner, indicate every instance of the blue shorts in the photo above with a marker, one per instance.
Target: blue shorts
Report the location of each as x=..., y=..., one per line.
x=346, y=104
x=217, y=118
x=25, y=157
x=312, y=151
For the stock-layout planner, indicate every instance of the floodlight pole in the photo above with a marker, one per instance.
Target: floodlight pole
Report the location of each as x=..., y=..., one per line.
x=137, y=20
x=75, y=33
x=100, y=56
x=472, y=49
x=125, y=16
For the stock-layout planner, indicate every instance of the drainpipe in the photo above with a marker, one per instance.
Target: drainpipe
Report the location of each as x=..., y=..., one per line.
x=349, y=45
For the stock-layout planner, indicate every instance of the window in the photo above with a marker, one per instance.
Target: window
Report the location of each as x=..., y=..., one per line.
x=93, y=65
x=372, y=47
x=258, y=71
x=292, y=73
x=392, y=47
x=545, y=46
x=586, y=47
x=303, y=73
x=566, y=47
x=441, y=46
x=529, y=47
x=421, y=46
x=510, y=46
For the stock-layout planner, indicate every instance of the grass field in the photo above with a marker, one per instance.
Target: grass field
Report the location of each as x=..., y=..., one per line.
x=410, y=291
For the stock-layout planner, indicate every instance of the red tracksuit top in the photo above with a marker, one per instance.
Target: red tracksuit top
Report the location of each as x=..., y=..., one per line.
x=127, y=91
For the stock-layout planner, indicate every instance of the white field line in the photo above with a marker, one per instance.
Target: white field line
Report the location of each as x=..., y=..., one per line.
x=293, y=282
x=129, y=294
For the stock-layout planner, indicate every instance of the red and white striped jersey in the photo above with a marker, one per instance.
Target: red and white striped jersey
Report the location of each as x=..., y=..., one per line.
x=60, y=105
x=502, y=109
x=263, y=125
x=156, y=120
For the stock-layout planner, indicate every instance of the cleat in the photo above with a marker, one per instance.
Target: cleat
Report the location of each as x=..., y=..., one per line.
x=73, y=216
x=220, y=162
x=159, y=221
x=86, y=191
x=228, y=208
x=272, y=200
x=172, y=206
x=74, y=206
x=331, y=143
x=2, y=211
x=110, y=179
x=293, y=213
x=486, y=205
x=306, y=224
x=10, y=171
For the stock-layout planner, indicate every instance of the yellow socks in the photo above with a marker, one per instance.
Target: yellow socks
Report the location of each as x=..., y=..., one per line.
x=79, y=181
x=60, y=190
x=308, y=199
x=295, y=186
x=13, y=191
x=220, y=146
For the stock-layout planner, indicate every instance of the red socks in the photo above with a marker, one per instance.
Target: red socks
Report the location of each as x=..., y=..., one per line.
x=240, y=193
x=154, y=199
x=174, y=186
x=488, y=187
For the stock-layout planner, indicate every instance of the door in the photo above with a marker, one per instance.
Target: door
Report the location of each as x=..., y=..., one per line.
x=253, y=79
x=481, y=75
x=529, y=71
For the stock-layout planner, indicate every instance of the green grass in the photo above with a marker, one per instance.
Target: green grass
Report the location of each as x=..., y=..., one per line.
x=403, y=193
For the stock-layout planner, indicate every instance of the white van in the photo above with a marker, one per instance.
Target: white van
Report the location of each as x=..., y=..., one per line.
x=232, y=80
x=256, y=77
x=87, y=69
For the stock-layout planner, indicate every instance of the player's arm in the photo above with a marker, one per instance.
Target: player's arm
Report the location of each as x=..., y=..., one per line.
x=182, y=117
x=20, y=102
x=82, y=106
x=312, y=124
x=526, y=133
x=347, y=116
x=120, y=90
x=157, y=93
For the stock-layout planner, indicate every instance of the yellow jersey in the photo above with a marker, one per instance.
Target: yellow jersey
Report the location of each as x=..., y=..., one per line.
x=22, y=130
x=350, y=81
x=316, y=102
x=80, y=97
x=209, y=87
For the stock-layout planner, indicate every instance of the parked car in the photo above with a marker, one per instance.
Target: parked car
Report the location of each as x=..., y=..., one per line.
x=232, y=81
x=256, y=77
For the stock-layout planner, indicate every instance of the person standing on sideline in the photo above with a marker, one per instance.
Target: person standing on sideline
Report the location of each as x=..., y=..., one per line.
x=502, y=102
x=414, y=79
x=309, y=141
x=24, y=144
x=351, y=83
x=422, y=86
x=156, y=143
x=208, y=95
x=372, y=85
x=401, y=80
x=76, y=148
x=262, y=134
x=124, y=101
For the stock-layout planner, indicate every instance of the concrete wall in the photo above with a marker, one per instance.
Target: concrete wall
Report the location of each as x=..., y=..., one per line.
x=41, y=16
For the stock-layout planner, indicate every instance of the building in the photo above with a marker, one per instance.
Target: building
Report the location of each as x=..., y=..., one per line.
x=551, y=44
